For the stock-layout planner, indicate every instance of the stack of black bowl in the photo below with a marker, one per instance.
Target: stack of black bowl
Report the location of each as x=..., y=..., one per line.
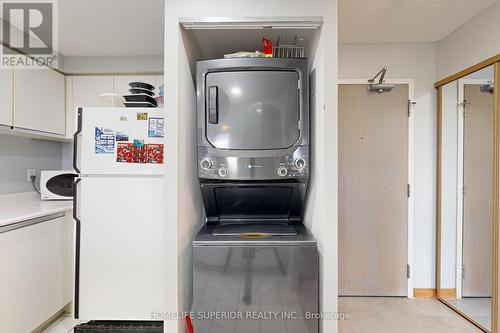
x=141, y=96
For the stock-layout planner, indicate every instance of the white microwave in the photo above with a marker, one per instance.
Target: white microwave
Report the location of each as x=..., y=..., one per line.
x=57, y=184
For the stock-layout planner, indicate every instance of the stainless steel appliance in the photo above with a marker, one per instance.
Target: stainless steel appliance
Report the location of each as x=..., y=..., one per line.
x=255, y=264
x=253, y=119
x=258, y=284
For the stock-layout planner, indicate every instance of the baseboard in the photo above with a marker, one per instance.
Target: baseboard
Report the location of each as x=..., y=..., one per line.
x=447, y=293
x=424, y=293
x=433, y=293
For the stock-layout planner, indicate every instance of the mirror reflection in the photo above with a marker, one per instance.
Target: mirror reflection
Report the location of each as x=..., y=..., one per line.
x=465, y=270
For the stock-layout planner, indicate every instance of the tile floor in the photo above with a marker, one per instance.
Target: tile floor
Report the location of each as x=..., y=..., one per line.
x=396, y=315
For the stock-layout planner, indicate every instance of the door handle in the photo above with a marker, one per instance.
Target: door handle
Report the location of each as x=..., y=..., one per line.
x=76, y=303
x=213, y=101
x=75, y=141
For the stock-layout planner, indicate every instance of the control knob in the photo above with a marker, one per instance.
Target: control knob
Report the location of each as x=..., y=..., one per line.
x=299, y=163
x=223, y=172
x=206, y=163
x=282, y=171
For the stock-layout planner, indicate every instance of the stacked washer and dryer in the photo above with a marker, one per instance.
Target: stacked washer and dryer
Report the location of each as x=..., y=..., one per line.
x=255, y=264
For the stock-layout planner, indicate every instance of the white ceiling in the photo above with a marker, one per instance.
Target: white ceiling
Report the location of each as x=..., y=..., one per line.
x=111, y=27
x=396, y=21
x=131, y=27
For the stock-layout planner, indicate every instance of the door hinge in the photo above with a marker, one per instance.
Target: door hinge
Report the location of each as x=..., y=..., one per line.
x=410, y=104
x=464, y=190
x=463, y=272
x=408, y=271
x=465, y=105
x=408, y=190
x=299, y=84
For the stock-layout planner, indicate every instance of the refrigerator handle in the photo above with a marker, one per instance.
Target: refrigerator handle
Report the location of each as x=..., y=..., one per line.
x=75, y=140
x=77, y=248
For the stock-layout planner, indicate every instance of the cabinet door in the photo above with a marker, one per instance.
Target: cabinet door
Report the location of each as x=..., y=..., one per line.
x=40, y=100
x=36, y=279
x=121, y=82
x=6, y=97
x=83, y=91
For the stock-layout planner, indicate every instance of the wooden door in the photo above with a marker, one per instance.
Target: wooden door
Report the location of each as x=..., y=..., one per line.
x=373, y=179
x=478, y=192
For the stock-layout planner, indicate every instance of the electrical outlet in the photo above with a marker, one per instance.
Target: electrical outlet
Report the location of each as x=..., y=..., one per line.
x=31, y=172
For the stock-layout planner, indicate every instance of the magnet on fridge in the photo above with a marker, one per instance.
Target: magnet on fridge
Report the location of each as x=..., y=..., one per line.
x=124, y=152
x=155, y=153
x=120, y=136
x=104, y=141
x=142, y=116
x=139, y=154
x=138, y=143
x=155, y=127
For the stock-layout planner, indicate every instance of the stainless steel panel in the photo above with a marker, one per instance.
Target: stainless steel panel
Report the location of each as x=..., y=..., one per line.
x=298, y=67
x=255, y=288
x=206, y=237
x=266, y=230
x=254, y=109
x=253, y=166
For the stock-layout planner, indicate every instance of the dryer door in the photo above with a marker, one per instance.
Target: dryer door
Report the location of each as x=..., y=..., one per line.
x=252, y=109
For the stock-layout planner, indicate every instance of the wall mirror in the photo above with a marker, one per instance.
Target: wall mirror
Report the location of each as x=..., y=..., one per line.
x=466, y=233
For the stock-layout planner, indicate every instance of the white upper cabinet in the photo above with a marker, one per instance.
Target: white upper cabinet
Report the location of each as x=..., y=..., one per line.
x=121, y=82
x=86, y=89
x=83, y=91
x=40, y=101
x=6, y=97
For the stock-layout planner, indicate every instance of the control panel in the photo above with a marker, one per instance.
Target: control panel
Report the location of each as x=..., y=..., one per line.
x=293, y=164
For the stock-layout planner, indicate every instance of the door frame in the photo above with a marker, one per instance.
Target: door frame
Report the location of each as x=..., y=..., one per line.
x=411, y=118
x=460, y=180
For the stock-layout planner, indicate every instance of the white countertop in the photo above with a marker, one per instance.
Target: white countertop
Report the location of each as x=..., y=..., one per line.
x=17, y=207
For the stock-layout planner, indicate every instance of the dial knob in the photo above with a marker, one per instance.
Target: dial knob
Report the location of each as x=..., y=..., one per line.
x=206, y=163
x=223, y=172
x=282, y=171
x=299, y=163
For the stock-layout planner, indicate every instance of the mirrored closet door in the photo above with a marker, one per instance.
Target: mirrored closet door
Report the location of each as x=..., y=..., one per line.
x=466, y=239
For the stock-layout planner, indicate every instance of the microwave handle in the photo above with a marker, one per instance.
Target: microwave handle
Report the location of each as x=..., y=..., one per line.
x=213, y=104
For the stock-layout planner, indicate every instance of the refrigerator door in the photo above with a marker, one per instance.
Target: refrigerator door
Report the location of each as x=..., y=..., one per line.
x=119, y=246
x=119, y=141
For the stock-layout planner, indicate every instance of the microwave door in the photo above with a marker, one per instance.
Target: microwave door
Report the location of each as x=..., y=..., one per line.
x=252, y=109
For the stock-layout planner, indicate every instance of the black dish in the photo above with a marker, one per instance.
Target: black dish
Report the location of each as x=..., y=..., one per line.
x=140, y=98
x=139, y=105
x=141, y=91
x=142, y=85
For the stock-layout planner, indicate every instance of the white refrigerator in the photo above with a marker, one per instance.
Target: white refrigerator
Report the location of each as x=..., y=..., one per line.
x=119, y=214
